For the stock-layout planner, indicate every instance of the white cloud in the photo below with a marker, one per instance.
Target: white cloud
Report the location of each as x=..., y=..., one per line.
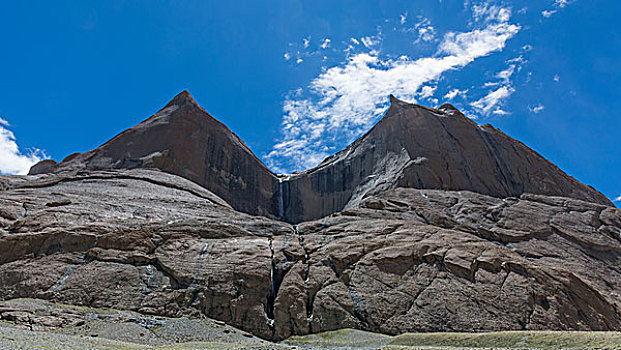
x=12, y=160
x=287, y=56
x=369, y=41
x=355, y=41
x=487, y=103
x=506, y=74
x=486, y=13
x=557, y=78
x=427, y=33
x=454, y=93
x=299, y=60
x=500, y=111
x=536, y=109
x=559, y=4
x=346, y=100
x=427, y=91
x=403, y=17
x=548, y=14
x=326, y=43
x=492, y=100
x=618, y=199
x=306, y=42
x=477, y=43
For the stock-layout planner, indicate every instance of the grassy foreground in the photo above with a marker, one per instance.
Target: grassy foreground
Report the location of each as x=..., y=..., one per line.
x=15, y=338
x=510, y=340
x=354, y=339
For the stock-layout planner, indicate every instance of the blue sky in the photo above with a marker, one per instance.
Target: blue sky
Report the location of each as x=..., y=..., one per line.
x=299, y=80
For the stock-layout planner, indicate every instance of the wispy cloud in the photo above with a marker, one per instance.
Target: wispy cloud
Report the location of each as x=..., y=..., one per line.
x=548, y=13
x=426, y=32
x=427, y=91
x=618, y=199
x=403, y=18
x=12, y=160
x=558, y=4
x=486, y=12
x=454, y=93
x=491, y=102
x=370, y=41
x=345, y=100
x=325, y=43
x=506, y=74
x=536, y=109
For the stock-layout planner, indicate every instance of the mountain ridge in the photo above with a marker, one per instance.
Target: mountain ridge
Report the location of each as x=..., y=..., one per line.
x=422, y=147
x=175, y=217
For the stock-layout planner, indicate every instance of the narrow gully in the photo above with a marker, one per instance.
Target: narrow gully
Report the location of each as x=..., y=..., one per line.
x=283, y=197
x=309, y=297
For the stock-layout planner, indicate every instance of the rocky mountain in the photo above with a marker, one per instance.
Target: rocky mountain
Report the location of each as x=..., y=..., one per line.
x=183, y=139
x=429, y=222
x=417, y=147
x=412, y=146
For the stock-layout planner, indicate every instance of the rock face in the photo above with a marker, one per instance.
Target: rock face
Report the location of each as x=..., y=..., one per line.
x=398, y=245
x=412, y=146
x=183, y=139
x=418, y=147
x=403, y=260
x=39, y=324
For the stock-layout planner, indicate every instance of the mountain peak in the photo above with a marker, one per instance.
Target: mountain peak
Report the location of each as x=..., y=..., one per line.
x=413, y=146
x=448, y=107
x=183, y=139
x=393, y=99
x=397, y=102
x=182, y=98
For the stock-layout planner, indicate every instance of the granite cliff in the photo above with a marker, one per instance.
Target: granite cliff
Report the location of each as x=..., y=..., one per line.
x=428, y=222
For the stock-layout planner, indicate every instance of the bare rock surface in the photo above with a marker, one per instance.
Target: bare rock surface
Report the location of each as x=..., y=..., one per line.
x=411, y=146
x=183, y=139
x=126, y=326
x=418, y=147
x=429, y=222
x=403, y=260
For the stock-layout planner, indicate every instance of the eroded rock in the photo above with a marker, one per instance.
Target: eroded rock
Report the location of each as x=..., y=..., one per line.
x=424, y=260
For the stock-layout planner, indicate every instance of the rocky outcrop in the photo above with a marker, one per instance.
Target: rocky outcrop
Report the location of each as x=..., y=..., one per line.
x=412, y=147
x=402, y=260
x=40, y=324
x=429, y=222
